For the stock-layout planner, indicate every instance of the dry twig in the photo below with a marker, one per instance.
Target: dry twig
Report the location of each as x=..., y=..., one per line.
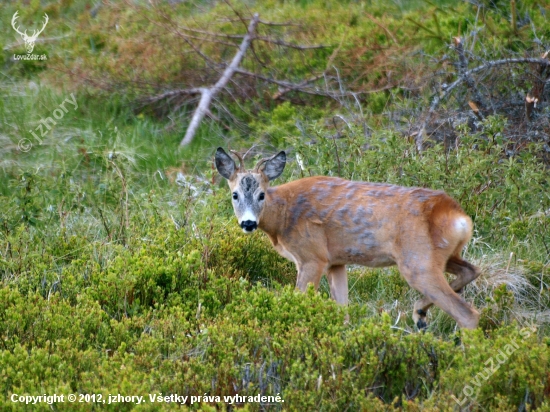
x=438, y=98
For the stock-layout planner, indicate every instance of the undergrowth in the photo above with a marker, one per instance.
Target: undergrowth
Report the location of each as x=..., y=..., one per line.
x=128, y=282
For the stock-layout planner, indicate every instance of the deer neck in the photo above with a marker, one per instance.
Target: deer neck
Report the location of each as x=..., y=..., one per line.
x=273, y=214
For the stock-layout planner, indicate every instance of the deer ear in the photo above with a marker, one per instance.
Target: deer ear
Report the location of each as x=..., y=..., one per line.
x=225, y=164
x=275, y=166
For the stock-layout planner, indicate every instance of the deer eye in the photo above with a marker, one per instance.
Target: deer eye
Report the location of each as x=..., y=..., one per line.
x=262, y=196
x=235, y=196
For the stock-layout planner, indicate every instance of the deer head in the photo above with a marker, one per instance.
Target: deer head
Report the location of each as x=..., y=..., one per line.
x=29, y=40
x=249, y=187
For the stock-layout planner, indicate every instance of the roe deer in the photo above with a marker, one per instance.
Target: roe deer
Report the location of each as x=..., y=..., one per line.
x=323, y=223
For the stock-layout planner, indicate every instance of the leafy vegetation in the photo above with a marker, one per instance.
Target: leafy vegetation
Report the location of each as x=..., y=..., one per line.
x=122, y=268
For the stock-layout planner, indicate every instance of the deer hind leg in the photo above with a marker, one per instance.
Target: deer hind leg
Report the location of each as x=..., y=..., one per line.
x=429, y=280
x=465, y=272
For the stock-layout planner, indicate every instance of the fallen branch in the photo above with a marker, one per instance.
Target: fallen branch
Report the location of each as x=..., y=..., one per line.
x=286, y=86
x=530, y=104
x=541, y=78
x=207, y=94
x=259, y=38
x=291, y=45
x=265, y=23
x=531, y=99
x=173, y=93
x=293, y=87
x=465, y=75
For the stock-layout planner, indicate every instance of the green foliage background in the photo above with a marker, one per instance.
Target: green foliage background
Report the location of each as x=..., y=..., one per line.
x=116, y=279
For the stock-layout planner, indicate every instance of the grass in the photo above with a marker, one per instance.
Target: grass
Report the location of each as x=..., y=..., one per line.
x=74, y=195
x=77, y=189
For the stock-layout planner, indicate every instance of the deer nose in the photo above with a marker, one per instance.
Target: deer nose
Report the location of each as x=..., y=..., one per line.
x=249, y=225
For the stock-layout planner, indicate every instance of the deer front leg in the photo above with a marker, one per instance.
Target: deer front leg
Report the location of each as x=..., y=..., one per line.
x=310, y=272
x=338, y=281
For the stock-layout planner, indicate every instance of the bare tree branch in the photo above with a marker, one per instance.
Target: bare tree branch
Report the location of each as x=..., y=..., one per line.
x=259, y=38
x=542, y=77
x=265, y=23
x=463, y=72
x=293, y=87
x=465, y=75
x=292, y=46
x=286, y=86
x=530, y=103
x=173, y=93
x=207, y=94
x=302, y=87
x=213, y=34
x=271, y=23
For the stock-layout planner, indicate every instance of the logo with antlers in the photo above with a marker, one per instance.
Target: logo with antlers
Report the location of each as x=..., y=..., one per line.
x=29, y=40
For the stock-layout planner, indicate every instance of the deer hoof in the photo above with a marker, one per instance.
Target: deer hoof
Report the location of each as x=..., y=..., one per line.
x=421, y=324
